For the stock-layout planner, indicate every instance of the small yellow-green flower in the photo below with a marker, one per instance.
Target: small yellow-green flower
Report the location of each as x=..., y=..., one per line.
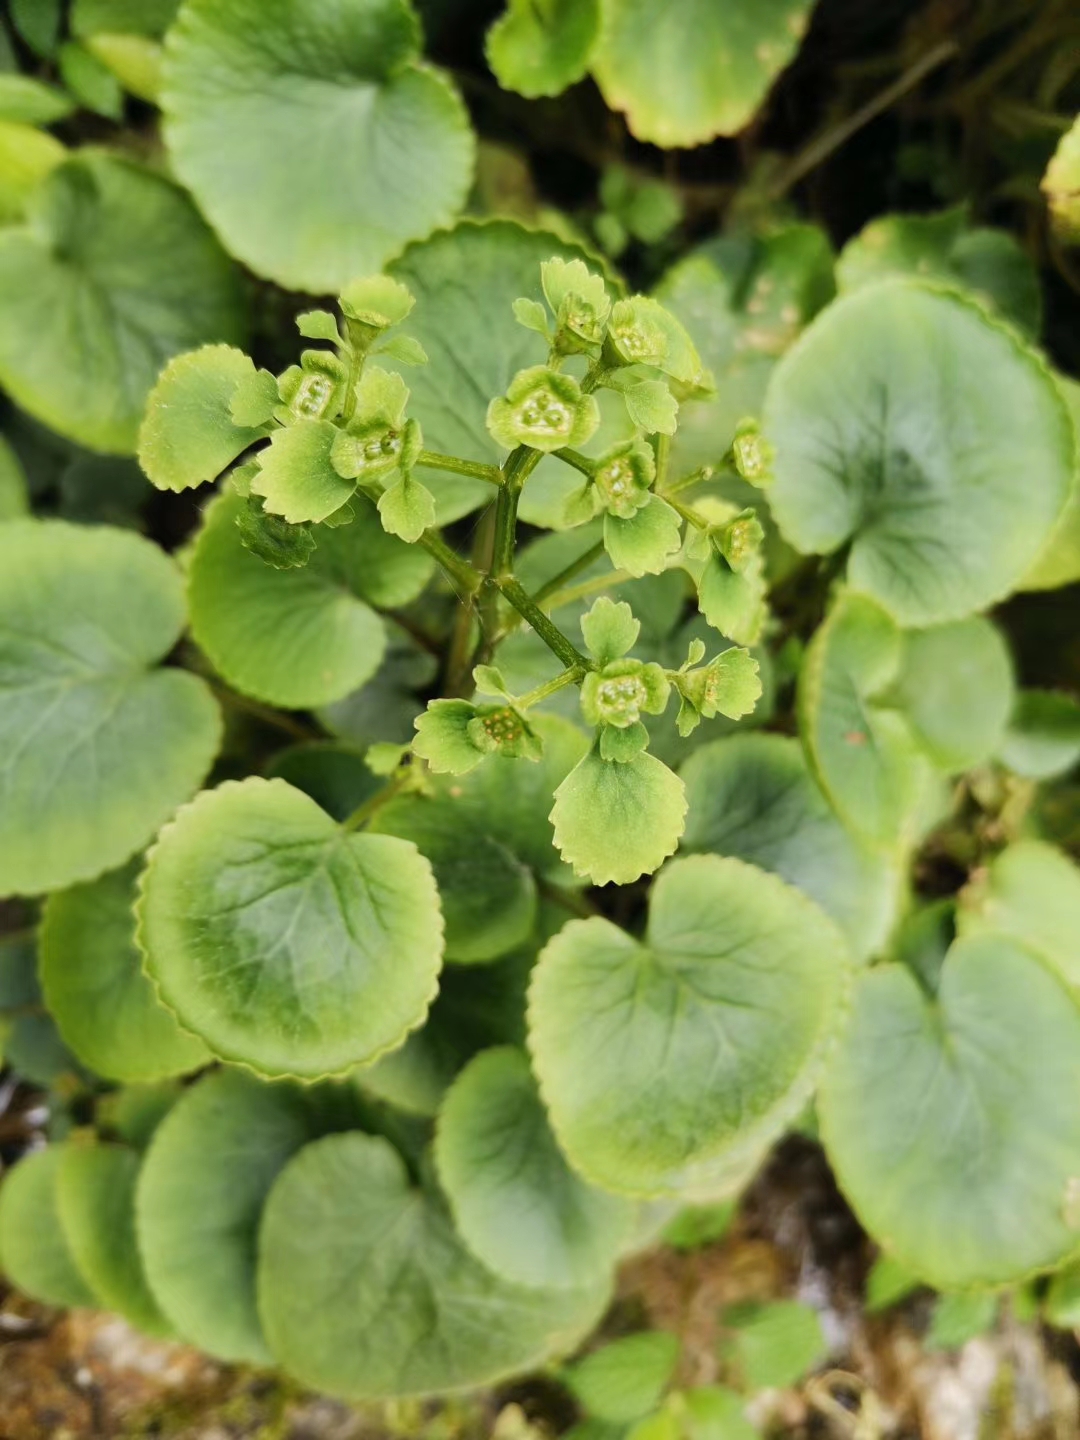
x=544, y=409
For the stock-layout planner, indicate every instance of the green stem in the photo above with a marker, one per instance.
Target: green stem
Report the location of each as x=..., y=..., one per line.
x=577, y=460
x=363, y=813
x=687, y=513
x=556, y=583
x=468, y=578
x=663, y=451
x=596, y=586
x=552, y=636
x=432, y=460
x=695, y=477
x=572, y=676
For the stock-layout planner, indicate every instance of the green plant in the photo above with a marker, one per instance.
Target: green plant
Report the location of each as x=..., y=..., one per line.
x=332, y=797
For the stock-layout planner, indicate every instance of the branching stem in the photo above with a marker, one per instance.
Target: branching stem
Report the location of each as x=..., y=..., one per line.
x=432, y=460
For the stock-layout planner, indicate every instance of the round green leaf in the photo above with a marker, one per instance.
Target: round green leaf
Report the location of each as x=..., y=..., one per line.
x=947, y=1119
x=188, y=435
x=336, y=776
x=894, y=423
x=1043, y=738
x=301, y=637
x=519, y=1207
x=739, y=976
x=34, y=1253
x=206, y=1175
x=114, y=274
x=26, y=157
x=862, y=753
x=316, y=142
x=466, y=281
x=693, y=69
x=615, y=821
x=626, y=1379
x=1031, y=893
x=365, y=1290
x=103, y=1004
x=284, y=942
x=98, y=748
x=987, y=262
x=540, y=51
x=95, y=1192
x=488, y=895
x=955, y=687
x=751, y=796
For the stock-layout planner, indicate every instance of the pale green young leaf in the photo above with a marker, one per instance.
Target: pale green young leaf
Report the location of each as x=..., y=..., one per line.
x=466, y=281
x=1061, y=1304
x=626, y=1378
x=531, y=314
x=751, y=796
x=623, y=744
x=133, y=60
x=101, y=746
x=404, y=349
x=610, y=629
x=296, y=478
x=955, y=688
x=945, y=246
x=651, y=405
x=407, y=508
x=14, y=497
x=863, y=755
x=730, y=951
x=518, y=1206
x=1043, y=736
x=27, y=101
x=342, y=93
x=34, y=1253
x=919, y=475
x=442, y=737
x=713, y=1412
x=382, y=1299
x=488, y=896
x=284, y=942
x=95, y=1197
x=318, y=325
x=615, y=822
x=695, y=69
x=994, y=1060
x=730, y=685
x=255, y=399
x=960, y=1316
x=26, y=157
x=95, y=989
x=1031, y=893
x=644, y=544
x=732, y=601
x=772, y=1345
x=489, y=681
x=1060, y=184
x=90, y=80
x=114, y=274
x=541, y=50
x=294, y=637
x=888, y=1283
x=190, y=432
x=200, y=1194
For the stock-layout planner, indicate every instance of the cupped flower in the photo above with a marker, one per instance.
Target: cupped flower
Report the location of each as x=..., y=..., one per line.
x=580, y=303
x=314, y=389
x=623, y=478
x=619, y=693
x=544, y=409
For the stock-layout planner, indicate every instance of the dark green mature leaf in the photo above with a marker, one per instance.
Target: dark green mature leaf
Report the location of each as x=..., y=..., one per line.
x=739, y=975
x=694, y=69
x=365, y=1290
x=316, y=143
x=282, y=941
x=114, y=273
x=103, y=1004
x=945, y=1119
x=34, y=1253
x=1043, y=737
x=205, y=1178
x=893, y=419
x=466, y=281
x=95, y=1192
x=519, y=1207
x=98, y=748
x=752, y=796
x=299, y=637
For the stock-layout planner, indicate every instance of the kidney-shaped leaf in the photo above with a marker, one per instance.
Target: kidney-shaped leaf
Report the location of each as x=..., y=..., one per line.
x=915, y=428
x=300, y=637
x=200, y=1195
x=366, y=1291
x=753, y=797
x=1030, y=892
x=95, y=989
x=687, y=70
x=950, y=1120
x=465, y=282
x=34, y=1253
x=664, y=1063
x=188, y=435
x=283, y=941
x=113, y=274
x=520, y=1208
x=97, y=747
x=314, y=141
x=95, y=1192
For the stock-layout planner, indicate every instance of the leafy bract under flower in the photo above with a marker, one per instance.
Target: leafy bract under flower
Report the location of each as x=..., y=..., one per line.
x=579, y=301
x=453, y=736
